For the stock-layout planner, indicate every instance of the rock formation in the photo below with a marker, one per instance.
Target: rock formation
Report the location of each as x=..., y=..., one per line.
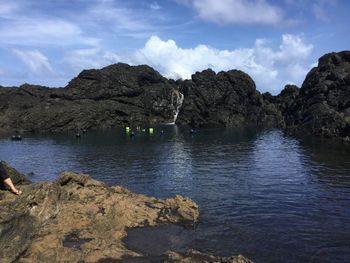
x=284, y=100
x=120, y=95
x=113, y=96
x=226, y=99
x=78, y=219
x=323, y=105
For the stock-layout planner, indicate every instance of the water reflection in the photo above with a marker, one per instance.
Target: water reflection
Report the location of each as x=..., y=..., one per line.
x=267, y=195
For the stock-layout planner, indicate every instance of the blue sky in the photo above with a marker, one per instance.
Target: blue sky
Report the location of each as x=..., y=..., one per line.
x=48, y=42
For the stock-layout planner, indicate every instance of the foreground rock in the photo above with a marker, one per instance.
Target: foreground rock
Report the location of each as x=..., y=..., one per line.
x=78, y=219
x=113, y=96
x=322, y=107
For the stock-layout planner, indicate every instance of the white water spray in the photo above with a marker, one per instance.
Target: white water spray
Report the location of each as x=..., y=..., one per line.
x=177, y=103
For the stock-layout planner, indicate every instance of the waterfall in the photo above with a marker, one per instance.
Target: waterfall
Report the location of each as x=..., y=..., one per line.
x=180, y=100
x=177, y=103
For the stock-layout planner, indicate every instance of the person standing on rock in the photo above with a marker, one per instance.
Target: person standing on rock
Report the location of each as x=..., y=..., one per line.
x=7, y=182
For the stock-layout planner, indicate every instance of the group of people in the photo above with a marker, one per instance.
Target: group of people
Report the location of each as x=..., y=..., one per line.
x=6, y=182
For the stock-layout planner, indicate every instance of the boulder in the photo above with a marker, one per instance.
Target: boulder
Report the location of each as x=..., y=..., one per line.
x=225, y=99
x=322, y=107
x=78, y=219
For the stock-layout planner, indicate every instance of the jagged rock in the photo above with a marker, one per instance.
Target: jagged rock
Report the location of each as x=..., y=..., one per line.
x=226, y=99
x=77, y=219
x=284, y=100
x=113, y=96
x=323, y=105
x=124, y=95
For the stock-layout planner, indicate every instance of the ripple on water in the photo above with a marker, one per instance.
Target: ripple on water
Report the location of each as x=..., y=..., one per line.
x=263, y=194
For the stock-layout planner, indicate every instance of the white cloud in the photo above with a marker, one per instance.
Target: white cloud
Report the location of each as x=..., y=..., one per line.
x=7, y=9
x=34, y=31
x=90, y=58
x=37, y=62
x=122, y=21
x=236, y=11
x=155, y=6
x=271, y=69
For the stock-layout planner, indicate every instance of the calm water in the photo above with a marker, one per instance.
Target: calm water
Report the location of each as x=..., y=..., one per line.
x=263, y=194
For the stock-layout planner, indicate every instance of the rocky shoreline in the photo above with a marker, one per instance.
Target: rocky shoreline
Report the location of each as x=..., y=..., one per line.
x=78, y=219
x=123, y=95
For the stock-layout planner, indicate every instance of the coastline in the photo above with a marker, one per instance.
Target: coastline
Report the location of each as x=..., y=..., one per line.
x=79, y=219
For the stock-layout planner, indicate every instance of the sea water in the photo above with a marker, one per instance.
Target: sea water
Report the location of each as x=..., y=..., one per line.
x=269, y=196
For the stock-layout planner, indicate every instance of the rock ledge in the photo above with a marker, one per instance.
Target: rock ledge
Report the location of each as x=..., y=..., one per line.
x=78, y=219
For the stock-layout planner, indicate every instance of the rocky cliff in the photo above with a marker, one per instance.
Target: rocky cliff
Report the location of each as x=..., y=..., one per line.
x=113, y=96
x=322, y=106
x=120, y=95
x=78, y=219
x=226, y=99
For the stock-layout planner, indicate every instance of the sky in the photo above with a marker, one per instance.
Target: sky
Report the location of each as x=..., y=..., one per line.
x=48, y=42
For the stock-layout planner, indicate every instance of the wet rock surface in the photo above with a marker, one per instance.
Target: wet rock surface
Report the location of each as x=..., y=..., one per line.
x=169, y=243
x=78, y=219
x=196, y=256
x=155, y=241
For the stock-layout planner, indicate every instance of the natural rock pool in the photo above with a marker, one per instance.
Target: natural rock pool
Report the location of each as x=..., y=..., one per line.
x=263, y=194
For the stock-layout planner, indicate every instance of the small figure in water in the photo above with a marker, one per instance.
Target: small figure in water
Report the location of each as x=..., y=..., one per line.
x=16, y=138
x=7, y=182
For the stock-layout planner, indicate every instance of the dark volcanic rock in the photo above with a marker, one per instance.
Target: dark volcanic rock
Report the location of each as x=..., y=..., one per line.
x=284, y=100
x=227, y=99
x=323, y=105
x=120, y=95
x=115, y=95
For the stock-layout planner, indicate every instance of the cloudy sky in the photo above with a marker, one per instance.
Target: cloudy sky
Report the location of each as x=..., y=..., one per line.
x=48, y=42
